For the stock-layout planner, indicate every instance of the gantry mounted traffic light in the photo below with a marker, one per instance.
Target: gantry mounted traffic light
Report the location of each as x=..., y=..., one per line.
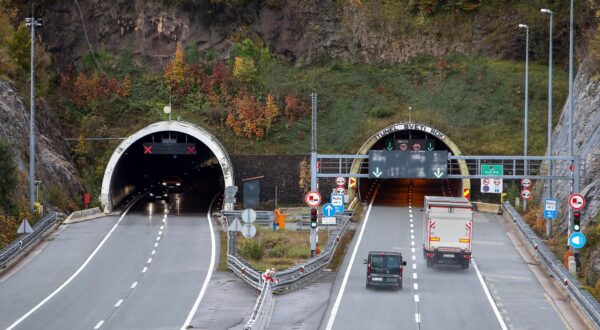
x=576, y=221
x=313, y=218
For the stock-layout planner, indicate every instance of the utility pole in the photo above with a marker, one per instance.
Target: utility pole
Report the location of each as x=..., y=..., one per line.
x=32, y=23
x=526, y=137
x=549, y=12
x=313, y=166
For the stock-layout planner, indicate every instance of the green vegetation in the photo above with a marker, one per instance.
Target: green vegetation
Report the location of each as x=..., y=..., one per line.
x=279, y=249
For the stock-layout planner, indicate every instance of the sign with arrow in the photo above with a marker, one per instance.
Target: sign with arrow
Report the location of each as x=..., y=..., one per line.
x=328, y=210
x=384, y=164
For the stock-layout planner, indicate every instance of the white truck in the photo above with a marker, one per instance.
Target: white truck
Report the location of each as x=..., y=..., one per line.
x=448, y=229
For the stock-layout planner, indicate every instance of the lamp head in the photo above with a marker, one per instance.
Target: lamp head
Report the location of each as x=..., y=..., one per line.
x=523, y=26
x=546, y=11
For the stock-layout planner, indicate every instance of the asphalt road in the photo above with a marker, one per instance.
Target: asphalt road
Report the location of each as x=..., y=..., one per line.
x=147, y=274
x=443, y=297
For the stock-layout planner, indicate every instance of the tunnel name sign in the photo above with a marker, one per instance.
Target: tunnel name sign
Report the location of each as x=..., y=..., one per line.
x=401, y=127
x=385, y=164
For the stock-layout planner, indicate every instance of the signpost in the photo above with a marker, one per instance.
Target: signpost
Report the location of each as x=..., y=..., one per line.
x=337, y=200
x=577, y=240
x=313, y=199
x=576, y=201
x=550, y=209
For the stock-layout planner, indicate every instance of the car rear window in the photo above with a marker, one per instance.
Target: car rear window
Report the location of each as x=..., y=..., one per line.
x=384, y=263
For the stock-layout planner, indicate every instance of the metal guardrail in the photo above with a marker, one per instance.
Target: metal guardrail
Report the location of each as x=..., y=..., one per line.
x=261, y=315
x=17, y=246
x=281, y=281
x=264, y=218
x=581, y=297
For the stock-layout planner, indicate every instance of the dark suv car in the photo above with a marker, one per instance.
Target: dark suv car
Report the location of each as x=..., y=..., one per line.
x=384, y=269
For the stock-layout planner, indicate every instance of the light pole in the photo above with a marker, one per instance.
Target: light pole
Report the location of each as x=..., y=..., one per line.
x=526, y=139
x=549, y=12
x=32, y=23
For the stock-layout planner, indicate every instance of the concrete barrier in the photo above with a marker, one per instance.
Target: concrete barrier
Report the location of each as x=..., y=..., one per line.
x=487, y=208
x=83, y=215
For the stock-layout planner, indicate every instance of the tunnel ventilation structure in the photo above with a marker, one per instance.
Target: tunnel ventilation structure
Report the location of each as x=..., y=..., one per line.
x=124, y=162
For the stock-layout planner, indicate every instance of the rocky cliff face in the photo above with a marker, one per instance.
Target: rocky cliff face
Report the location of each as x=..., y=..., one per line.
x=53, y=164
x=586, y=141
x=303, y=32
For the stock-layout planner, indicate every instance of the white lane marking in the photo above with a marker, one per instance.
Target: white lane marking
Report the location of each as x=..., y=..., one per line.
x=155, y=244
x=336, y=305
x=158, y=238
x=417, y=317
x=411, y=225
x=119, y=303
x=188, y=320
x=145, y=269
x=413, y=250
x=414, y=266
x=410, y=207
x=412, y=231
x=416, y=286
x=416, y=298
x=410, y=215
x=85, y=263
x=412, y=236
x=414, y=258
x=162, y=227
x=489, y=296
x=99, y=325
x=133, y=285
x=410, y=211
x=153, y=252
x=414, y=276
x=160, y=232
x=149, y=260
x=412, y=243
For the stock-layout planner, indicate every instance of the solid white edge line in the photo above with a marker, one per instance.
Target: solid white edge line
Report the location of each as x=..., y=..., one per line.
x=99, y=325
x=62, y=286
x=338, y=299
x=188, y=320
x=489, y=296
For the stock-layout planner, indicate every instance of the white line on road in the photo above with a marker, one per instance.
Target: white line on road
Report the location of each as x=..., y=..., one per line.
x=414, y=276
x=489, y=296
x=417, y=317
x=414, y=258
x=160, y=232
x=188, y=320
x=416, y=286
x=119, y=303
x=416, y=298
x=412, y=231
x=413, y=250
x=411, y=225
x=412, y=237
x=99, y=325
x=158, y=238
x=149, y=260
x=153, y=252
x=85, y=263
x=133, y=285
x=412, y=243
x=336, y=305
x=155, y=244
x=145, y=269
x=162, y=227
x=414, y=266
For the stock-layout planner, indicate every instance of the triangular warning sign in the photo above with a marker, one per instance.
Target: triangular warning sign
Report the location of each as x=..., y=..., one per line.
x=24, y=227
x=235, y=225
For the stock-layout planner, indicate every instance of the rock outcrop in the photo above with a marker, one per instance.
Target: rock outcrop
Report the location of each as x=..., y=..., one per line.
x=53, y=164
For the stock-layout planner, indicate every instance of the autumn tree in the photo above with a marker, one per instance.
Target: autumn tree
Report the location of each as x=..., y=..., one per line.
x=244, y=69
x=270, y=112
x=294, y=108
x=249, y=117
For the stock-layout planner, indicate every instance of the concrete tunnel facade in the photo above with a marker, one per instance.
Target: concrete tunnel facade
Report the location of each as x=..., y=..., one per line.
x=383, y=133
x=111, y=194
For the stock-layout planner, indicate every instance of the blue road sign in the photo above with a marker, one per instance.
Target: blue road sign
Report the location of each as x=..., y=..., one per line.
x=328, y=210
x=337, y=200
x=550, y=209
x=577, y=240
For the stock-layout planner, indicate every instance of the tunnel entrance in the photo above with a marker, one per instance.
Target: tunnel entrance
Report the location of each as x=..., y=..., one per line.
x=176, y=155
x=412, y=137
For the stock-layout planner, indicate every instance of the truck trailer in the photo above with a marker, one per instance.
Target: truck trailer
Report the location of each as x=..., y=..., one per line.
x=448, y=230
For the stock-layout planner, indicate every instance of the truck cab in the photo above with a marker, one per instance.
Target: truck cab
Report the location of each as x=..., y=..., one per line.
x=384, y=269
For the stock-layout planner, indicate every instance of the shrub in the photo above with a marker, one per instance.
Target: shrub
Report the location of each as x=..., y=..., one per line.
x=380, y=112
x=250, y=249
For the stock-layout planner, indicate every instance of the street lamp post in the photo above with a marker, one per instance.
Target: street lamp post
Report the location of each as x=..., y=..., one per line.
x=32, y=23
x=549, y=12
x=526, y=124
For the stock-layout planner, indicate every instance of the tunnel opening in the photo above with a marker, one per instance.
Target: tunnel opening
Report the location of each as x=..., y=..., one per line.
x=411, y=138
x=166, y=160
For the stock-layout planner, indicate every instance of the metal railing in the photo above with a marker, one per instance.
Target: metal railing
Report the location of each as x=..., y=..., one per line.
x=261, y=314
x=581, y=297
x=16, y=247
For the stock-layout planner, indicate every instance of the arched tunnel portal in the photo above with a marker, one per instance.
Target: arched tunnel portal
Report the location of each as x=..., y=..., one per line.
x=164, y=150
x=402, y=135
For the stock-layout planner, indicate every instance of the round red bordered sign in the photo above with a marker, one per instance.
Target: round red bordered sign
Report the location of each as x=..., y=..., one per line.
x=340, y=181
x=576, y=201
x=526, y=194
x=313, y=199
x=526, y=183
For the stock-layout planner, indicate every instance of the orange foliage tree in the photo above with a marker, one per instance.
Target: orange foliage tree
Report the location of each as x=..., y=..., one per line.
x=248, y=117
x=294, y=108
x=84, y=90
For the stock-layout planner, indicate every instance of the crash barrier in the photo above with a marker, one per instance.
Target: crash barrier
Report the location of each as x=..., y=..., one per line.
x=264, y=218
x=263, y=309
x=285, y=280
x=16, y=247
x=487, y=207
x=84, y=214
x=581, y=297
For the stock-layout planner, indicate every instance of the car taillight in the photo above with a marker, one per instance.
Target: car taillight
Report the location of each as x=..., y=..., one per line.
x=430, y=255
x=467, y=256
x=368, y=268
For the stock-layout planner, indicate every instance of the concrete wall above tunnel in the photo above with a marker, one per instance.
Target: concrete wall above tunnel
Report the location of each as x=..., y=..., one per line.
x=109, y=201
x=452, y=146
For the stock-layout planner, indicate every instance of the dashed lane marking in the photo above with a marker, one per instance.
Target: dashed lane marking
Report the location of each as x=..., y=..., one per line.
x=134, y=285
x=98, y=325
x=119, y=303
